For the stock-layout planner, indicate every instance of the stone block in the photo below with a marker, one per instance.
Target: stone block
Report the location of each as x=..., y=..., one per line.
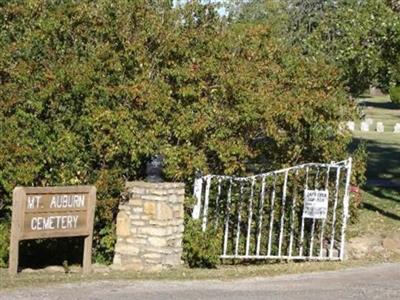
x=127, y=249
x=176, y=198
x=136, y=217
x=134, y=230
x=130, y=241
x=138, y=191
x=137, y=241
x=157, y=241
x=138, y=223
x=123, y=224
x=179, y=213
x=137, y=210
x=154, y=256
x=149, y=208
x=171, y=222
x=124, y=207
x=162, y=250
x=155, y=231
x=154, y=198
x=117, y=259
x=172, y=260
x=180, y=192
x=136, y=202
x=178, y=244
x=159, y=192
x=164, y=212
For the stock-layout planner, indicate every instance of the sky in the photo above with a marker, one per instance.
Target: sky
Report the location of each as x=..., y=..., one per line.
x=220, y=10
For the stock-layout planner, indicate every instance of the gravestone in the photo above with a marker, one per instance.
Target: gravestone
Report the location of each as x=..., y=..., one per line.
x=369, y=121
x=364, y=126
x=350, y=125
x=380, y=127
x=396, y=128
x=375, y=91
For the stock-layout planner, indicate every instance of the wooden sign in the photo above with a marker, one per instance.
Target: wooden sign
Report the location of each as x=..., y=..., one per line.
x=52, y=212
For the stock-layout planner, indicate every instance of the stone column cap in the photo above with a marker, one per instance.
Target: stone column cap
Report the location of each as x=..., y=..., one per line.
x=154, y=185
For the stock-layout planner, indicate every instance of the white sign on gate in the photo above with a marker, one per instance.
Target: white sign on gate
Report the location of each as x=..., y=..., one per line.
x=315, y=204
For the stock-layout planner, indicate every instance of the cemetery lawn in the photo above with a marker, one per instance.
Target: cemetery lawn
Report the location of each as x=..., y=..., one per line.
x=383, y=148
x=380, y=211
x=379, y=214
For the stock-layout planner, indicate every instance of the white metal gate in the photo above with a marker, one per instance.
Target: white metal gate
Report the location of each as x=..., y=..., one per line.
x=294, y=213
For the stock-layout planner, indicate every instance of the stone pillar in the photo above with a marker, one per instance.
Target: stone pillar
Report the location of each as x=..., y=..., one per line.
x=150, y=227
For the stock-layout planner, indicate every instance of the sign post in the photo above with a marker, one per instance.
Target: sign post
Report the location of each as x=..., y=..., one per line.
x=52, y=212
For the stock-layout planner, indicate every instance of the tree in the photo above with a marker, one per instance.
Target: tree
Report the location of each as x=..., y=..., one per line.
x=89, y=90
x=395, y=4
x=360, y=37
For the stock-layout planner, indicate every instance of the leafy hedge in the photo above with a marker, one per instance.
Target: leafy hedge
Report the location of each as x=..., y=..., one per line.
x=90, y=89
x=4, y=242
x=201, y=249
x=395, y=94
x=361, y=37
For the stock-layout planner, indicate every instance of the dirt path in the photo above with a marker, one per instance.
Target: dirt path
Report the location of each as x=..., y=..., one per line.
x=375, y=282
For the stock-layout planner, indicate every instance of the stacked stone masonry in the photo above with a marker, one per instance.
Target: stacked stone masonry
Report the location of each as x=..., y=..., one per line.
x=150, y=227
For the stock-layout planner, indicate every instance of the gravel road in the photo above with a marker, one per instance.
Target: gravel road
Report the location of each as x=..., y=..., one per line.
x=375, y=282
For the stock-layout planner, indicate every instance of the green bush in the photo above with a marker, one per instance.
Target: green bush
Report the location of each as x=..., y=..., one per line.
x=358, y=179
x=4, y=242
x=395, y=94
x=201, y=249
x=90, y=89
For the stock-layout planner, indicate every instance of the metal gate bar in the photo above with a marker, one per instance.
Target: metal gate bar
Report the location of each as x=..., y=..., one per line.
x=264, y=215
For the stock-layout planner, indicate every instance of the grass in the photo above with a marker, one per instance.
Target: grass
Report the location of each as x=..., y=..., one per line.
x=381, y=109
x=383, y=158
x=380, y=210
x=383, y=148
x=379, y=213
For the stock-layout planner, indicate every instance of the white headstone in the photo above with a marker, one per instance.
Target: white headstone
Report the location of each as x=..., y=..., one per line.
x=369, y=121
x=397, y=128
x=380, y=127
x=364, y=126
x=350, y=125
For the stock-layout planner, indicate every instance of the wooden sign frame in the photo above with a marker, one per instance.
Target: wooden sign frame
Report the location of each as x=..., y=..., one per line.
x=54, y=212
